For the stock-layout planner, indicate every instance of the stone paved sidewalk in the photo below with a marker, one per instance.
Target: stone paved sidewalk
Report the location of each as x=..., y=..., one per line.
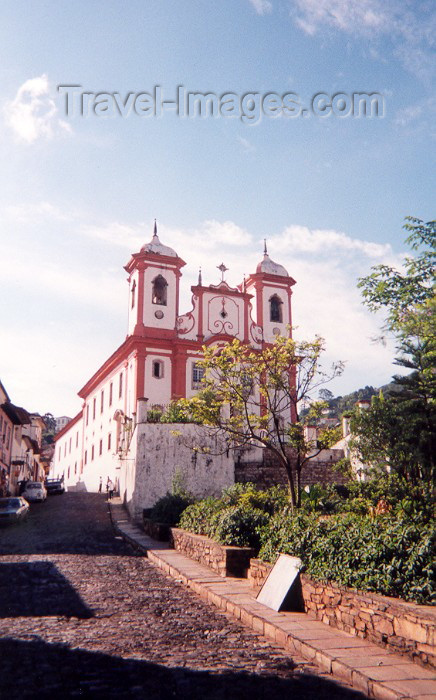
x=365, y=666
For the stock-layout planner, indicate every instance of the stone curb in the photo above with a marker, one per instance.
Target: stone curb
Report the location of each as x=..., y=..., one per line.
x=366, y=667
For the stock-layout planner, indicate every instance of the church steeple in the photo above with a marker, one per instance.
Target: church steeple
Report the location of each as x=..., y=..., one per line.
x=154, y=276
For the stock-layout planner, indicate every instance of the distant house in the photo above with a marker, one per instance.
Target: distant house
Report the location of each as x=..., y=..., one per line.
x=359, y=469
x=6, y=435
x=20, y=444
x=61, y=422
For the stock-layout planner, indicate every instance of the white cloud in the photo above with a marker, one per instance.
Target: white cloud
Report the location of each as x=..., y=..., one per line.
x=246, y=144
x=33, y=114
x=262, y=7
x=349, y=16
x=25, y=213
x=300, y=239
x=410, y=28
x=226, y=233
x=64, y=283
x=420, y=116
x=114, y=233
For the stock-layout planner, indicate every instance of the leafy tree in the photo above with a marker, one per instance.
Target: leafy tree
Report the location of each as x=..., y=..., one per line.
x=326, y=395
x=252, y=397
x=388, y=437
x=49, y=430
x=400, y=429
x=50, y=422
x=404, y=294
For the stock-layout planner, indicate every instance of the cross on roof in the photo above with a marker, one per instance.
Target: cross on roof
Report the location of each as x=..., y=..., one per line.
x=223, y=269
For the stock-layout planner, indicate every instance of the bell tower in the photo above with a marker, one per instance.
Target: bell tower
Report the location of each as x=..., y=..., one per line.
x=271, y=285
x=154, y=277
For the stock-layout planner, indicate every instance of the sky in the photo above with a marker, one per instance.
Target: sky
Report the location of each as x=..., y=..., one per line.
x=280, y=151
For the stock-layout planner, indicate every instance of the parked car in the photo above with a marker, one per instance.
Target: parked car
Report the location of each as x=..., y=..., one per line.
x=54, y=486
x=13, y=509
x=35, y=491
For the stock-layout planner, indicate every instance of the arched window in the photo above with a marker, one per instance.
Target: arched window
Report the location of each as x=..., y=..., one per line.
x=159, y=294
x=275, y=309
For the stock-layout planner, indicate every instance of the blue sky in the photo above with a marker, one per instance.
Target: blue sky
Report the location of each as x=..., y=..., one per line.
x=79, y=194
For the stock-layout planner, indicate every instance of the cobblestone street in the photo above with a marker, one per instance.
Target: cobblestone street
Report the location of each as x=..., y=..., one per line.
x=82, y=615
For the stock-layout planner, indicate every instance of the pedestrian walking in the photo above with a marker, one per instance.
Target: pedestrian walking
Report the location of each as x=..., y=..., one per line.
x=100, y=486
x=110, y=489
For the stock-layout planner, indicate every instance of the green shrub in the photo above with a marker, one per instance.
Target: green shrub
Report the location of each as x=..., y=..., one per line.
x=169, y=508
x=239, y=526
x=177, y=412
x=154, y=415
x=248, y=495
x=388, y=555
x=198, y=516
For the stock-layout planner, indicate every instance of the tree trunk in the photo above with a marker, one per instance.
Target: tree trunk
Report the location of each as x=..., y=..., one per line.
x=288, y=466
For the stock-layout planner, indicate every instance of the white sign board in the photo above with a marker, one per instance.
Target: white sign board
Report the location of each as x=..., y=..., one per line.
x=280, y=581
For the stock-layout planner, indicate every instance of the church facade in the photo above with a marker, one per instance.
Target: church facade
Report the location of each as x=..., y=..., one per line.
x=159, y=358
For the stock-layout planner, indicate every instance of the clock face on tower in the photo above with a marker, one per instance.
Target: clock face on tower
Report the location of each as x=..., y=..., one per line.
x=159, y=314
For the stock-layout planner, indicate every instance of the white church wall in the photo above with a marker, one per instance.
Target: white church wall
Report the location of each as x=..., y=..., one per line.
x=158, y=389
x=133, y=302
x=161, y=456
x=130, y=394
x=67, y=461
x=97, y=448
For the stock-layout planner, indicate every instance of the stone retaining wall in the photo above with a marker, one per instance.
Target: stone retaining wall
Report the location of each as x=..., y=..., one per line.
x=399, y=626
x=226, y=561
x=157, y=531
x=269, y=471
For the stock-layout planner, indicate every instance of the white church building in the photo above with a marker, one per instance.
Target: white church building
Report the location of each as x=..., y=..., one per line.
x=157, y=363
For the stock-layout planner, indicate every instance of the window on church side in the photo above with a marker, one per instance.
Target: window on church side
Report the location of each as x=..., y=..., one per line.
x=197, y=376
x=133, y=293
x=159, y=293
x=275, y=309
x=157, y=369
x=120, y=388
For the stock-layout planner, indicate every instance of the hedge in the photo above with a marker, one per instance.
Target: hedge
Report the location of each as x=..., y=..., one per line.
x=386, y=554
